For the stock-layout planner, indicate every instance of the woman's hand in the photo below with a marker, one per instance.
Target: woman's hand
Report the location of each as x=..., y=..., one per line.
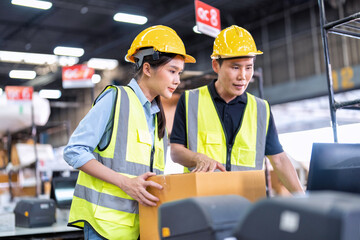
x=136, y=188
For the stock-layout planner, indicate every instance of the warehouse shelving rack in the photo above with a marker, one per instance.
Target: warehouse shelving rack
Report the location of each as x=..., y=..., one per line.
x=350, y=27
x=32, y=132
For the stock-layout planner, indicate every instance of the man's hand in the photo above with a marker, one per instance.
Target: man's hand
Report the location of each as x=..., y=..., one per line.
x=206, y=164
x=136, y=188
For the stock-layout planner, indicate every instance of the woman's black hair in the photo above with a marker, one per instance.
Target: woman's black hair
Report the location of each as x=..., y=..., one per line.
x=163, y=59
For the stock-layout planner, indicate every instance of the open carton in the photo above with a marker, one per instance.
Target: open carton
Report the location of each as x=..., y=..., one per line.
x=249, y=184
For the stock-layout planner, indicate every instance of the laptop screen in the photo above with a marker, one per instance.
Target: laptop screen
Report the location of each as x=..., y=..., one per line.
x=62, y=190
x=335, y=166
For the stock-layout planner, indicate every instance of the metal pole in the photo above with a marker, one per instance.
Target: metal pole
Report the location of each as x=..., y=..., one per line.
x=328, y=69
x=347, y=103
x=9, y=160
x=33, y=133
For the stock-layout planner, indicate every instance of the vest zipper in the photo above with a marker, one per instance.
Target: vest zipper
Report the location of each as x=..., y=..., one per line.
x=228, y=157
x=230, y=146
x=152, y=159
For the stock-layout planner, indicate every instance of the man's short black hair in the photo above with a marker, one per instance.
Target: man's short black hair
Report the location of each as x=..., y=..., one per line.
x=221, y=60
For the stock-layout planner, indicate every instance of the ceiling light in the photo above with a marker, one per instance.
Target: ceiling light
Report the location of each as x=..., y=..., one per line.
x=36, y=58
x=22, y=74
x=102, y=63
x=69, y=51
x=96, y=78
x=67, y=61
x=33, y=3
x=195, y=29
x=29, y=58
x=130, y=18
x=50, y=93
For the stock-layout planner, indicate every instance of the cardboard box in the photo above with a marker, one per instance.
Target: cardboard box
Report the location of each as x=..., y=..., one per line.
x=249, y=184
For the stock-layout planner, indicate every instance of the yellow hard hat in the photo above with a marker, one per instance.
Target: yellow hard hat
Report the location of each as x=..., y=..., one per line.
x=234, y=41
x=161, y=39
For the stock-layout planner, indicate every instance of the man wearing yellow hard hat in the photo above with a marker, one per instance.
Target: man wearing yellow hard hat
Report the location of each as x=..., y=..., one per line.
x=221, y=126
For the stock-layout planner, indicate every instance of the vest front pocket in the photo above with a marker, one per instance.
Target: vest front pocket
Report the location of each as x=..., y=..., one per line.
x=140, y=150
x=213, y=138
x=245, y=157
x=211, y=144
x=144, y=136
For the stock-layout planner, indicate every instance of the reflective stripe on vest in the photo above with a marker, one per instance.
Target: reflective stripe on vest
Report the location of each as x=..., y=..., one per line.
x=127, y=153
x=249, y=141
x=106, y=200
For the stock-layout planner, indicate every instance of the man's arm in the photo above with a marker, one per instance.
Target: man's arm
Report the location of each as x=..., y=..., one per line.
x=202, y=163
x=286, y=172
x=179, y=153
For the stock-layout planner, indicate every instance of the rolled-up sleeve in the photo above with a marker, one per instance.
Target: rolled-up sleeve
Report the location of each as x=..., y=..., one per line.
x=89, y=132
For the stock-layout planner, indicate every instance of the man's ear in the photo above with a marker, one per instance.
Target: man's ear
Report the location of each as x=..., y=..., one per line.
x=146, y=69
x=215, y=65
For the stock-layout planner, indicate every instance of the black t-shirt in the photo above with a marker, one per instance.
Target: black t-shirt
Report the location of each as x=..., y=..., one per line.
x=231, y=116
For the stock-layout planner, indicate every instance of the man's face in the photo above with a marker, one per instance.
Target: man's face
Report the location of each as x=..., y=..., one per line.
x=234, y=76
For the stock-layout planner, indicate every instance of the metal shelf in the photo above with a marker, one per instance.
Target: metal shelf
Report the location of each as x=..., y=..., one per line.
x=349, y=27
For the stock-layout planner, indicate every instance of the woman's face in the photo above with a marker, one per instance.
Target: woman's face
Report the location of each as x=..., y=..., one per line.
x=165, y=79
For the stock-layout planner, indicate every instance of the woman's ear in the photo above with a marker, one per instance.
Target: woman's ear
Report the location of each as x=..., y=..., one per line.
x=146, y=69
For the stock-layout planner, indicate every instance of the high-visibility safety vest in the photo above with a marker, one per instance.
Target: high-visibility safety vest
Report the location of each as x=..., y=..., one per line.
x=206, y=134
x=110, y=211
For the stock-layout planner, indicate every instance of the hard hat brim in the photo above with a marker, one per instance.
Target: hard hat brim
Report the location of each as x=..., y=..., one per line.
x=251, y=54
x=187, y=58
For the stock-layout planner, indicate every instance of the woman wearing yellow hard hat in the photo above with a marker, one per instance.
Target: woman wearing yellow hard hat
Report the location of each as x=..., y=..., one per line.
x=122, y=141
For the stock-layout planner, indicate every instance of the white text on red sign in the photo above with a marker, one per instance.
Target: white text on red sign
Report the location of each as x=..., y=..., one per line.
x=18, y=93
x=204, y=15
x=207, y=14
x=77, y=72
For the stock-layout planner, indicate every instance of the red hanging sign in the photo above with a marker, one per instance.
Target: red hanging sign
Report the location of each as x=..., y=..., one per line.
x=19, y=93
x=207, y=19
x=77, y=76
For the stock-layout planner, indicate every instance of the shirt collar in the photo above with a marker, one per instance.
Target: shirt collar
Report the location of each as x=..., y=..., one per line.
x=154, y=108
x=242, y=98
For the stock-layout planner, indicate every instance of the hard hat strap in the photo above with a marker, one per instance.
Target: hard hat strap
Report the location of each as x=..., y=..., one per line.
x=139, y=56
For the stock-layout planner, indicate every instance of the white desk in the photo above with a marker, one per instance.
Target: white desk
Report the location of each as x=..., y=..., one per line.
x=58, y=229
